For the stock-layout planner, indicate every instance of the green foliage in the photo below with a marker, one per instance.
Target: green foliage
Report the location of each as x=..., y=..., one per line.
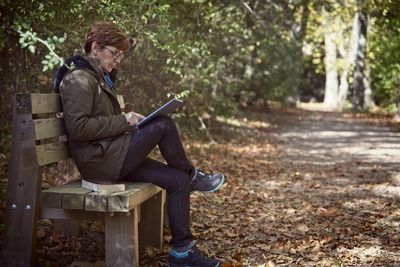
x=384, y=53
x=217, y=55
x=28, y=39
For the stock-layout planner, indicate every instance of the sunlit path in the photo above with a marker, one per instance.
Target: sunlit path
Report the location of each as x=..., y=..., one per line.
x=306, y=188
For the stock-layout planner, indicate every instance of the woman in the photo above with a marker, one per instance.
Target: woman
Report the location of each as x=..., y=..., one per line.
x=106, y=148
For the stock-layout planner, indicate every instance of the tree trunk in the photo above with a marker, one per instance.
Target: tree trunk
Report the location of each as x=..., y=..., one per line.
x=331, y=83
x=358, y=85
x=299, y=56
x=349, y=60
x=369, y=102
x=396, y=118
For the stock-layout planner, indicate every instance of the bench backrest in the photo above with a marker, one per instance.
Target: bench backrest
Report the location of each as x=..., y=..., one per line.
x=49, y=129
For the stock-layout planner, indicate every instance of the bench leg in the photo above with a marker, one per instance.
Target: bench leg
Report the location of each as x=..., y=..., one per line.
x=151, y=221
x=23, y=192
x=121, y=237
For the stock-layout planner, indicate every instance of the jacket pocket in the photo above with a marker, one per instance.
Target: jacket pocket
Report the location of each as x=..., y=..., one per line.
x=104, y=147
x=93, y=152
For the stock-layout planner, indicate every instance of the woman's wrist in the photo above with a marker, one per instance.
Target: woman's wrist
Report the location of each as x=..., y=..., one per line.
x=128, y=117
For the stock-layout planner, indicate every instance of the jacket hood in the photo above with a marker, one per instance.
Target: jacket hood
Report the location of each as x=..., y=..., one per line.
x=80, y=62
x=76, y=61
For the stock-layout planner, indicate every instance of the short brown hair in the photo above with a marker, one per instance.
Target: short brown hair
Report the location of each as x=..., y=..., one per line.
x=106, y=33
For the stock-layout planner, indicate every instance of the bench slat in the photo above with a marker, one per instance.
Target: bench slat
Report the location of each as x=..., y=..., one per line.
x=135, y=194
x=96, y=201
x=50, y=153
x=74, y=199
x=75, y=215
x=52, y=198
x=45, y=103
x=125, y=201
x=48, y=128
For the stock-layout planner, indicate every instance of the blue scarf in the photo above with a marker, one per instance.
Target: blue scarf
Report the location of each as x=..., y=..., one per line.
x=108, y=80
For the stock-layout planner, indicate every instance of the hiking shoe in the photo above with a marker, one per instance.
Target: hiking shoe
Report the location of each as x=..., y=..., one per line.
x=191, y=258
x=205, y=182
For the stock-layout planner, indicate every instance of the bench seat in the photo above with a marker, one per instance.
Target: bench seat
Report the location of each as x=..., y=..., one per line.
x=133, y=218
x=74, y=196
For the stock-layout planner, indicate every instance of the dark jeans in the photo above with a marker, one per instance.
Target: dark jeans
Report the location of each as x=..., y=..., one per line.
x=173, y=177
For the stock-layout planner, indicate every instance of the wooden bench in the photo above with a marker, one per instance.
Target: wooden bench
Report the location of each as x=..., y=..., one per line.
x=133, y=218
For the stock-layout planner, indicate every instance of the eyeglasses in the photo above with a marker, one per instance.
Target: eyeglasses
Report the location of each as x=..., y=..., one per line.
x=115, y=54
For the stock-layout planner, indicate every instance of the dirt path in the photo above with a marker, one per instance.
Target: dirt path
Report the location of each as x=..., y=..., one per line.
x=345, y=173
x=331, y=138
x=308, y=189
x=322, y=141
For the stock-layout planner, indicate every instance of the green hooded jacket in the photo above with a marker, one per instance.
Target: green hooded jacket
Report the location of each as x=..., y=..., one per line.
x=97, y=131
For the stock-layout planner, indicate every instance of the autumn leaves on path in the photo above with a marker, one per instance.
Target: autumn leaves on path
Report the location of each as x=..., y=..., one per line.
x=303, y=189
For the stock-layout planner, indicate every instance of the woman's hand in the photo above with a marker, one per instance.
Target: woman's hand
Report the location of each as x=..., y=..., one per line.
x=133, y=117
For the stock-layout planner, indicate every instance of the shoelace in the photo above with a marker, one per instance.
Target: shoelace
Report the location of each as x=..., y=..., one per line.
x=198, y=174
x=202, y=174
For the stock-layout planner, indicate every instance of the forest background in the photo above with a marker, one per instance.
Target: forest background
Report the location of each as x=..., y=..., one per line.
x=227, y=59
x=221, y=56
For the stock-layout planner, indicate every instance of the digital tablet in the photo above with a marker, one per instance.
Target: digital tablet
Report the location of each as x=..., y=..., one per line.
x=165, y=109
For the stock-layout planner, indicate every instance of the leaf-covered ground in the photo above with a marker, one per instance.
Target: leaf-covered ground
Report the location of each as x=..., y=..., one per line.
x=303, y=189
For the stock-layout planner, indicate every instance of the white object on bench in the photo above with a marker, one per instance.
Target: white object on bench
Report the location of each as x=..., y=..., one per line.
x=103, y=187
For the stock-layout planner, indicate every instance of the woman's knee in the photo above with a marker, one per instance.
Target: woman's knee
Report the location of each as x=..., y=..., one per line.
x=165, y=121
x=164, y=124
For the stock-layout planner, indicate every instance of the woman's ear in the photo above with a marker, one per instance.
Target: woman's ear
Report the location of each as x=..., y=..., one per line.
x=95, y=48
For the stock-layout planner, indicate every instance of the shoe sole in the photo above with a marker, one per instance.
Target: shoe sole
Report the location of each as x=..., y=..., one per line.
x=215, y=189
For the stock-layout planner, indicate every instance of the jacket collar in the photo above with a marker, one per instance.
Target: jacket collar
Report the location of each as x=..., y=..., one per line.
x=96, y=66
x=83, y=61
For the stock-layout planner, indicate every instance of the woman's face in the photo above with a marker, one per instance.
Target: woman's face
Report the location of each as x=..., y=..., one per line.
x=109, y=57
